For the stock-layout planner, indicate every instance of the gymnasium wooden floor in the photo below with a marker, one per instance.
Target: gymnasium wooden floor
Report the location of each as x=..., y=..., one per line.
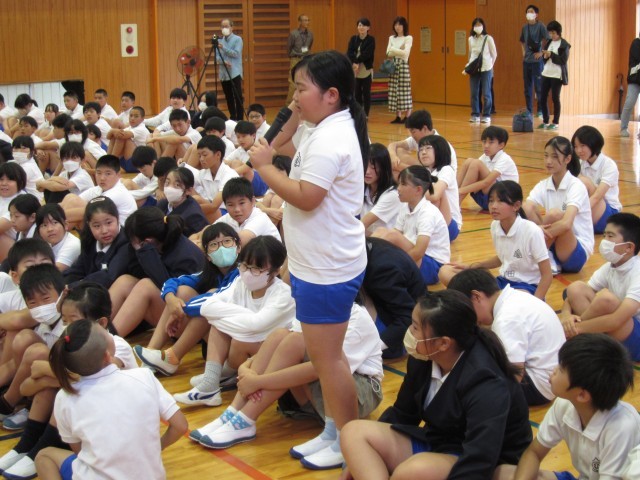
x=267, y=456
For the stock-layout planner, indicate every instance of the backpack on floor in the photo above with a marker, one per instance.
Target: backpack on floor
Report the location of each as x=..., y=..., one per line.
x=523, y=121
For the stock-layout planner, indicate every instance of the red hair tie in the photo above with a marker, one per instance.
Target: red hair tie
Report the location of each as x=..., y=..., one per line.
x=67, y=339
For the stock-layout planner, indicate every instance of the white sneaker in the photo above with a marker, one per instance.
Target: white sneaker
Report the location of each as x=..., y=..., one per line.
x=474, y=119
x=555, y=268
x=196, y=397
x=231, y=433
x=325, y=459
x=196, y=379
x=9, y=459
x=16, y=421
x=196, y=435
x=24, y=468
x=624, y=133
x=153, y=359
x=485, y=120
x=309, y=448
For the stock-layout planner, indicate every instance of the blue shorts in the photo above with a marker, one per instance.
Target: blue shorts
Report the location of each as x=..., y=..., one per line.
x=418, y=446
x=318, y=304
x=564, y=475
x=429, y=270
x=223, y=211
x=128, y=166
x=632, y=342
x=150, y=202
x=481, y=199
x=576, y=260
x=66, y=469
x=600, y=224
x=454, y=230
x=259, y=187
x=529, y=287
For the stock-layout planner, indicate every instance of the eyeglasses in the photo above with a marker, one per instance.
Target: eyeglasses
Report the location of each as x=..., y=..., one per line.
x=255, y=271
x=425, y=148
x=225, y=242
x=254, y=116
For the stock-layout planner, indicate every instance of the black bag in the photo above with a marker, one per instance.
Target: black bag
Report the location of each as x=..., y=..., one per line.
x=523, y=121
x=474, y=67
x=388, y=67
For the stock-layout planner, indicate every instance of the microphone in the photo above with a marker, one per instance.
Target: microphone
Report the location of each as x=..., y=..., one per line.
x=283, y=117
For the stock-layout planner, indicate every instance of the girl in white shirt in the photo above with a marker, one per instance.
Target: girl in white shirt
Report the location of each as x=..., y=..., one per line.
x=13, y=179
x=45, y=132
x=24, y=153
x=51, y=223
x=22, y=212
x=599, y=173
x=481, y=43
x=381, y=202
x=435, y=154
x=399, y=48
x=567, y=226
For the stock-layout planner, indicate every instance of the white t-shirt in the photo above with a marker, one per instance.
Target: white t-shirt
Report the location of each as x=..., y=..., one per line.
x=571, y=191
x=327, y=245
x=600, y=450
x=6, y=283
x=238, y=154
x=623, y=281
x=258, y=223
x=148, y=186
x=193, y=135
x=34, y=174
x=426, y=220
x=81, y=179
x=67, y=250
x=37, y=115
x=413, y=146
x=104, y=127
x=124, y=117
x=230, y=131
x=448, y=175
x=122, y=197
x=386, y=209
x=6, y=138
x=77, y=113
x=632, y=470
x=208, y=187
x=551, y=70
x=235, y=312
x=4, y=213
x=165, y=125
x=520, y=250
x=228, y=146
x=140, y=134
x=604, y=170
x=503, y=163
x=531, y=334
x=108, y=112
x=128, y=447
x=262, y=129
x=124, y=352
x=94, y=149
x=12, y=300
x=8, y=112
x=159, y=119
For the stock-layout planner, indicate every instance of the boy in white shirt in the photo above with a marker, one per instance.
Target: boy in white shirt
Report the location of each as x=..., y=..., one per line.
x=238, y=159
x=127, y=102
x=404, y=153
x=107, y=113
x=527, y=327
x=27, y=126
x=144, y=185
x=73, y=179
x=125, y=140
x=477, y=175
x=72, y=104
x=213, y=126
x=161, y=122
x=175, y=142
x=93, y=116
x=23, y=154
x=108, y=184
x=593, y=374
x=258, y=116
x=6, y=112
x=610, y=301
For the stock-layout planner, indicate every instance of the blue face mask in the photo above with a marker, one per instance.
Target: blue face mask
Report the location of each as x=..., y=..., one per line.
x=224, y=256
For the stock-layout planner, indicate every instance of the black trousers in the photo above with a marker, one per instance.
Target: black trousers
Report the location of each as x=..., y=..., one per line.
x=554, y=85
x=234, y=102
x=363, y=93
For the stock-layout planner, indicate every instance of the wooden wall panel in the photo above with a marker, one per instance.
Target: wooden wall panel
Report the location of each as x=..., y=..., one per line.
x=69, y=39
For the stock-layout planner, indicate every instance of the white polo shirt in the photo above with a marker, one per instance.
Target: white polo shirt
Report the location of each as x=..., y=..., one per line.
x=6, y=138
x=426, y=220
x=632, y=470
x=104, y=127
x=119, y=194
x=67, y=250
x=165, y=125
x=228, y=146
x=520, y=250
x=258, y=223
x=604, y=170
x=386, y=209
x=600, y=450
x=208, y=187
x=8, y=112
x=193, y=135
x=413, y=146
x=623, y=281
x=503, y=163
x=12, y=300
x=94, y=149
x=237, y=154
x=124, y=352
x=262, y=129
x=531, y=334
x=37, y=115
x=34, y=174
x=128, y=447
x=448, y=175
x=108, y=112
x=80, y=178
x=140, y=134
x=50, y=335
x=6, y=283
x=76, y=113
x=571, y=191
x=326, y=245
x=148, y=186
x=124, y=116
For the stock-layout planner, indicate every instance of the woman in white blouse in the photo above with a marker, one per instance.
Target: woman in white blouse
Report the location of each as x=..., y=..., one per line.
x=399, y=48
x=479, y=39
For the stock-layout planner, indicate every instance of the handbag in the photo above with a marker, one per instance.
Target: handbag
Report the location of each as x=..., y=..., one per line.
x=522, y=121
x=474, y=67
x=388, y=66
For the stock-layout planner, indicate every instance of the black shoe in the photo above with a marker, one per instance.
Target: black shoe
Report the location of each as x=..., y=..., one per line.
x=397, y=120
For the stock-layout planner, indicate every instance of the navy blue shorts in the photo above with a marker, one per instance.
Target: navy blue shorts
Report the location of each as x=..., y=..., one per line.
x=318, y=304
x=128, y=166
x=632, y=342
x=429, y=269
x=259, y=187
x=454, y=230
x=576, y=260
x=481, y=199
x=564, y=475
x=66, y=469
x=150, y=202
x=600, y=224
x=529, y=287
x=418, y=446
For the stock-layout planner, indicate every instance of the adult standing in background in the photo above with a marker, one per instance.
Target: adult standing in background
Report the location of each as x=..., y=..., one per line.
x=481, y=43
x=633, y=86
x=399, y=48
x=298, y=46
x=230, y=47
x=531, y=38
x=361, y=51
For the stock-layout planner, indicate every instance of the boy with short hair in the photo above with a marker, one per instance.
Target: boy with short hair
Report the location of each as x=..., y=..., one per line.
x=127, y=102
x=108, y=184
x=161, y=122
x=258, y=116
x=93, y=116
x=27, y=126
x=593, y=374
x=404, y=153
x=175, y=142
x=125, y=140
x=72, y=104
x=477, y=175
x=144, y=185
x=238, y=159
x=73, y=179
x=6, y=112
x=107, y=113
x=47, y=152
x=610, y=301
x=213, y=126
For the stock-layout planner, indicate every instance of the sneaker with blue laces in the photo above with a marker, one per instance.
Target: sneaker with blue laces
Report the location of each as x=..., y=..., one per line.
x=235, y=431
x=196, y=397
x=16, y=421
x=153, y=359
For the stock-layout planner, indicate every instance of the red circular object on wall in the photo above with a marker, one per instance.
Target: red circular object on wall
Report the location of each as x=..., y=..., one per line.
x=129, y=49
x=129, y=29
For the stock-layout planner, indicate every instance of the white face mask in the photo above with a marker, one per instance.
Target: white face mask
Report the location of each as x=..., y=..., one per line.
x=20, y=157
x=47, y=314
x=226, y=31
x=411, y=346
x=75, y=137
x=531, y=17
x=254, y=282
x=478, y=30
x=71, y=165
x=202, y=106
x=173, y=194
x=606, y=249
